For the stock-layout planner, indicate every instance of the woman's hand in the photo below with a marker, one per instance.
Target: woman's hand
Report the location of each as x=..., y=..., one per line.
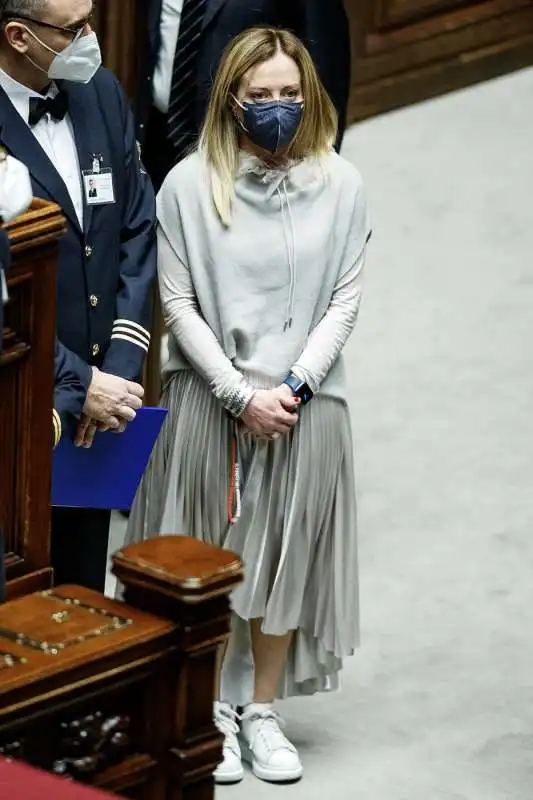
x=271, y=412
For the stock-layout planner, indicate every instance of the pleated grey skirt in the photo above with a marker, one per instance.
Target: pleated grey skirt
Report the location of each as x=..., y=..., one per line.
x=296, y=533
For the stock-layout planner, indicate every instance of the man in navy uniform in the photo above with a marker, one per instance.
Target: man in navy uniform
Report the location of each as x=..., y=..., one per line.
x=185, y=42
x=69, y=122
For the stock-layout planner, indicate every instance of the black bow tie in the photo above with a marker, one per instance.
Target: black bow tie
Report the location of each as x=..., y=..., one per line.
x=56, y=106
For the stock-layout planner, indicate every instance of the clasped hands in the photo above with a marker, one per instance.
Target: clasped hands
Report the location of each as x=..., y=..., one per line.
x=271, y=413
x=110, y=404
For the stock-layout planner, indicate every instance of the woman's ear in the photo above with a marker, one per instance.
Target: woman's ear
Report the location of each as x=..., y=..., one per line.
x=236, y=110
x=234, y=103
x=237, y=116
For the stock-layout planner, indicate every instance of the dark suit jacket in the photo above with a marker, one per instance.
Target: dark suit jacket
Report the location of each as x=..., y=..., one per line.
x=106, y=269
x=321, y=24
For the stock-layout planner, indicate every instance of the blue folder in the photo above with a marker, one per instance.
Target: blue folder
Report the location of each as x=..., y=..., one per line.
x=107, y=474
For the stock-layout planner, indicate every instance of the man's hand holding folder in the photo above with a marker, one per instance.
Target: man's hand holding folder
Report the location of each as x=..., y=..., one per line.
x=111, y=403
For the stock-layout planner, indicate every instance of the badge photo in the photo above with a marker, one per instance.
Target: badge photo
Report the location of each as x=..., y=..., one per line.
x=98, y=186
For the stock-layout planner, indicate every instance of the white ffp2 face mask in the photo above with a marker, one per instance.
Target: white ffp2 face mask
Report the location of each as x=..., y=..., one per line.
x=78, y=62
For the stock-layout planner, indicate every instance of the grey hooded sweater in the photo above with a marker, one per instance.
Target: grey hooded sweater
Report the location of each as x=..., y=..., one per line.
x=277, y=291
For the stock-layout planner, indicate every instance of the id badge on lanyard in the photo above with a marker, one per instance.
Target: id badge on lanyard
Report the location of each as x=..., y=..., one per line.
x=98, y=183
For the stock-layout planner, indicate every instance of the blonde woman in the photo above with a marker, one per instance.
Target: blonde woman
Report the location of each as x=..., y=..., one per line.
x=262, y=236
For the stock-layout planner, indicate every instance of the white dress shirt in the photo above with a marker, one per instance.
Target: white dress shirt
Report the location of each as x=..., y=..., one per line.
x=56, y=137
x=170, y=29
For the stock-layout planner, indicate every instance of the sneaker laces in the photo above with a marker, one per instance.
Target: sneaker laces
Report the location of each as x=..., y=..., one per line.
x=226, y=719
x=269, y=725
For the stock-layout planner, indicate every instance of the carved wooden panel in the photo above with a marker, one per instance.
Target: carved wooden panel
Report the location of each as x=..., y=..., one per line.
x=113, y=736
x=84, y=688
x=409, y=50
x=85, y=746
x=393, y=12
x=81, y=747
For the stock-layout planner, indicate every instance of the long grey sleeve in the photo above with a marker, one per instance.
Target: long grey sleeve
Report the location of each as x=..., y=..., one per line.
x=194, y=336
x=331, y=334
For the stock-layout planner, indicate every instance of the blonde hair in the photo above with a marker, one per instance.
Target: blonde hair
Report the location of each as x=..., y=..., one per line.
x=219, y=140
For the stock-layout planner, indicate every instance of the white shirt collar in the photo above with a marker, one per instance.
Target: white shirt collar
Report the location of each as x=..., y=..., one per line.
x=20, y=95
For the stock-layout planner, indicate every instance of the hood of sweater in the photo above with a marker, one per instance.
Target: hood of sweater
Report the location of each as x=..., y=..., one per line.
x=296, y=174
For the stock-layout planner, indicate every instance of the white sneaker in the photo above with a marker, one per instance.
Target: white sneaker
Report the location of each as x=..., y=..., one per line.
x=230, y=770
x=272, y=756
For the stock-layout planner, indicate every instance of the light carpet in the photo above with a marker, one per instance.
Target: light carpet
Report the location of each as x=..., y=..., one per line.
x=438, y=703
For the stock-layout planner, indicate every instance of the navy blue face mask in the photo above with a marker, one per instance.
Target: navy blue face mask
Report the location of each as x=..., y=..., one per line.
x=273, y=125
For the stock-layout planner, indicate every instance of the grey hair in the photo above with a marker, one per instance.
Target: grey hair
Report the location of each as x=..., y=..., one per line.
x=29, y=8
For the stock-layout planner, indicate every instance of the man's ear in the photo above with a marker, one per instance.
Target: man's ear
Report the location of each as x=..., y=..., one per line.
x=16, y=34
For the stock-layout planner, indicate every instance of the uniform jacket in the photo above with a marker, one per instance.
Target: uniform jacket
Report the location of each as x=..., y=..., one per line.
x=321, y=24
x=105, y=270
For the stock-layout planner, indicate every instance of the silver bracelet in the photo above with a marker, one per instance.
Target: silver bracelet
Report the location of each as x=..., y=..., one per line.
x=236, y=400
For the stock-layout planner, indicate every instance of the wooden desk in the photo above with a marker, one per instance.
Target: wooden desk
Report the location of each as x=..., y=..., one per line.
x=120, y=696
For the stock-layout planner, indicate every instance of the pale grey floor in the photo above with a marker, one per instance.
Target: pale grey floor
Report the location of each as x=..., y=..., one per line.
x=438, y=704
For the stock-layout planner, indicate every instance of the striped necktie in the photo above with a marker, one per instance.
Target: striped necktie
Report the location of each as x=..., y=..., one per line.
x=181, y=111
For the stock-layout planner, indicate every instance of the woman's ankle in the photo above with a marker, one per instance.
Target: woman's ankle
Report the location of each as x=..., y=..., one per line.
x=259, y=705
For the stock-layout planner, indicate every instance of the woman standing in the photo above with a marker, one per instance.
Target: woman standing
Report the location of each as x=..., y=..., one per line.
x=261, y=248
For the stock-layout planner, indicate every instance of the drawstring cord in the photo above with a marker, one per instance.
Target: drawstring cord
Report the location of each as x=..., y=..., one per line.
x=234, y=500
x=291, y=252
x=292, y=290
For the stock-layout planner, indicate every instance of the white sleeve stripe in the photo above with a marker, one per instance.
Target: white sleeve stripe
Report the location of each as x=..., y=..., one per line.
x=131, y=332
x=126, y=338
x=126, y=326
x=135, y=325
x=57, y=427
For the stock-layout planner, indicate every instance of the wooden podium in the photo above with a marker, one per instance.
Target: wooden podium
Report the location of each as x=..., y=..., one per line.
x=118, y=696
x=26, y=389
